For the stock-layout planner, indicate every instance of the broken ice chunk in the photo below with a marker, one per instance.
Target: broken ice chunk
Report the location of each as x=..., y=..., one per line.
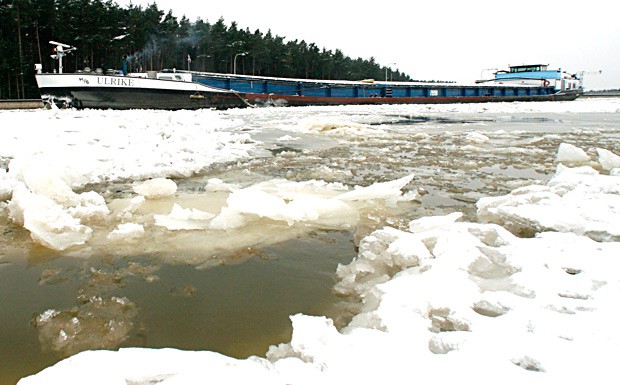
x=156, y=188
x=184, y=219
x=48, y=222
x=607, y=159
x=127, y=231
x=572, y=154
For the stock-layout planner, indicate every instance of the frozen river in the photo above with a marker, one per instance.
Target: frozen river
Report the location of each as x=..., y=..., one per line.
x=257, y=218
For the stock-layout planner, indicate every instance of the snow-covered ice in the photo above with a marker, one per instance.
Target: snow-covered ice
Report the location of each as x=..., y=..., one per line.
x=577, y=200
x=81, y=147
x=527, y=294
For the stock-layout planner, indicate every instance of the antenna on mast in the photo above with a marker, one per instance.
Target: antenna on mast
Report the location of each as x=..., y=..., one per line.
x=61, y=50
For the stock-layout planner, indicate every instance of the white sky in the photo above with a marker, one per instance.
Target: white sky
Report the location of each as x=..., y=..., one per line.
x=437, y=39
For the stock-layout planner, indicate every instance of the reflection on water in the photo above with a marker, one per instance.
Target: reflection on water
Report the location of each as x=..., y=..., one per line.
x=232, y=290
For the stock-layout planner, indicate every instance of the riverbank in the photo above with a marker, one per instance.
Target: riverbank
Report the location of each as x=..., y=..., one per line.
x=21, y=104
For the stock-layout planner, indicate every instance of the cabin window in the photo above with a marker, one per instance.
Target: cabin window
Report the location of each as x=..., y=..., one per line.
x=528, y=69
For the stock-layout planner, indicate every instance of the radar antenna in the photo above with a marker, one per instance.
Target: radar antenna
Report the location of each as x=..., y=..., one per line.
x=61, y=50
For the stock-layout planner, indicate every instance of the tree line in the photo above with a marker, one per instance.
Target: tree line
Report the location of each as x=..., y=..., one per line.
x=104, y=32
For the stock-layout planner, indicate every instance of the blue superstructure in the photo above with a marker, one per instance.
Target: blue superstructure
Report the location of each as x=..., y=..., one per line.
x=537, y=71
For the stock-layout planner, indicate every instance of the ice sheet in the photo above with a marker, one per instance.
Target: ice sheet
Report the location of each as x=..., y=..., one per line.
x=440, y=300
x=449, y=300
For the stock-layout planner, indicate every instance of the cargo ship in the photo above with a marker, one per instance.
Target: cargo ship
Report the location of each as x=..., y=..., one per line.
x=174, y=89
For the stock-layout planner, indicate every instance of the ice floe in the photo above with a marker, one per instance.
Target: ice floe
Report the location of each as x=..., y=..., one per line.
x=577, y=200
x=312, y=202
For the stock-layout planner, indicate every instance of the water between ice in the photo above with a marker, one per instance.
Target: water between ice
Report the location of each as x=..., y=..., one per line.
x=233, y=291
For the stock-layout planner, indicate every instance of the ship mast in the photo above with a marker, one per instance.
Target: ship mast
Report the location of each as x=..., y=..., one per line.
x=61, y=52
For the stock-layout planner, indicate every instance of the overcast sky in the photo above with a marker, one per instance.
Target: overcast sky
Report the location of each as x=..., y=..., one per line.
x=437, y=39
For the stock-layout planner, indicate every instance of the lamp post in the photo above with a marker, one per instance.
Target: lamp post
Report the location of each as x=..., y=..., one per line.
x=205, y=56
x=235, y=61
x=386, y=69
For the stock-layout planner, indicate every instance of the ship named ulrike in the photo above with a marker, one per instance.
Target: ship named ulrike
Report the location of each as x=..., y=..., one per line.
x=115, y=81
x=172, y=89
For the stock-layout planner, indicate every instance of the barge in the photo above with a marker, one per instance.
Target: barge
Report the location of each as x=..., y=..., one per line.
x=173, y=89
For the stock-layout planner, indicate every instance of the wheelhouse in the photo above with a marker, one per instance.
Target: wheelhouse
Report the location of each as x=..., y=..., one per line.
x=528, y=68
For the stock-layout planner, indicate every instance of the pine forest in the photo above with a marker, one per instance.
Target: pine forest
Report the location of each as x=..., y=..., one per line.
x=104, y=32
